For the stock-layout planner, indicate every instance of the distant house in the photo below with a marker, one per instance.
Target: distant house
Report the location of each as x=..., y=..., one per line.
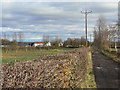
x=38, y=44
x=4, y=45
x=48, y=44
x=60, y=44
x=41, y=44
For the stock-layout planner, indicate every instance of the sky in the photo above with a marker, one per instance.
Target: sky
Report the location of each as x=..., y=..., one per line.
x=62, y=19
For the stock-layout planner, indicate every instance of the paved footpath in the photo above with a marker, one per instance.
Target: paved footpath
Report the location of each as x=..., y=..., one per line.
x=107, y=72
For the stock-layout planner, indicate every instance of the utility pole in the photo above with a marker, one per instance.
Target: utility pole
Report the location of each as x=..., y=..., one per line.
x=86, y=13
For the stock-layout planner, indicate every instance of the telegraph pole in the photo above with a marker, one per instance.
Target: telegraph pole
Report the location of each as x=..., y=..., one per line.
x=86, y=13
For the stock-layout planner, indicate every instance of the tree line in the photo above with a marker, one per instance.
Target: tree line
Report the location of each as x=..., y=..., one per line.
x=56, y=42
x=105, y=36
x=13, y=44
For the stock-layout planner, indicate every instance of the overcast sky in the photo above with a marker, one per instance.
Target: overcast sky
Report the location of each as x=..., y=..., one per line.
x=62, y=19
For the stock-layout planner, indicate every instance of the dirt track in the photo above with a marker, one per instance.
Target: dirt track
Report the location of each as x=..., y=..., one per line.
x=107, y=72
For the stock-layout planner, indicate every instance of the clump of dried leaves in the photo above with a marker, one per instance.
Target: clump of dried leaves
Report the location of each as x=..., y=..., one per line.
x=64, y=70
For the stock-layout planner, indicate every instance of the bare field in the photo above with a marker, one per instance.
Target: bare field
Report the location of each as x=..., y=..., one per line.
x=63, y=70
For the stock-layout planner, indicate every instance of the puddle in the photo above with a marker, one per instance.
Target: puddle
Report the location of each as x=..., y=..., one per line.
x=116, y=68
x=99, y=67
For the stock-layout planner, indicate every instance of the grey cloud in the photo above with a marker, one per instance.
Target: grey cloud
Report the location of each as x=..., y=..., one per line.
x=52, y=18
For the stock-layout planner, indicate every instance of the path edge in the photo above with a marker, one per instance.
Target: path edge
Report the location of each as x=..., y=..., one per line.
x=90, y=77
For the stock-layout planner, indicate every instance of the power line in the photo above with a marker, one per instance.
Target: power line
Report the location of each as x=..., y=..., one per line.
x=86, y=13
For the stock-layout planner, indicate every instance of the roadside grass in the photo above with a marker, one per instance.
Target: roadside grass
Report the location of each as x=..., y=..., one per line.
x=64, y=48
x=113, y=49
x=89, y=81
x=114, y=57
x=12, y=56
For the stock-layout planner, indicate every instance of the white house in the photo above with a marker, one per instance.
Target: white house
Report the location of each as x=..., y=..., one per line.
x=48, y=44
x=60, y=44
x=38, y=44
x=41, y=44
x=5, y=45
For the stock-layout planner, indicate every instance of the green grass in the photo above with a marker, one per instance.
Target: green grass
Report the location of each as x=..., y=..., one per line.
x=113, y=49
x=89, y=81
x=63, y=48
x=11, y=56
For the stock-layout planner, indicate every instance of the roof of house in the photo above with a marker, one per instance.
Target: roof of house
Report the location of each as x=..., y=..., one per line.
x=38, y=42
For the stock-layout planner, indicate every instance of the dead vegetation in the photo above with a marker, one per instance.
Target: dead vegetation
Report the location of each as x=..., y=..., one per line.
x=64, y=70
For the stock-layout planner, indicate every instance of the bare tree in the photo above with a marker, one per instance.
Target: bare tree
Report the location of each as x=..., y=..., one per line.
x=15, y=36
x=83, y=41
x=68, y=42
x=56, y=42
x=101, y=33
x=5, y=36
x=5, y=42
x=46, y=38
x=113, y=35
x=20, y=36
x=13, y=43
x=96, y=42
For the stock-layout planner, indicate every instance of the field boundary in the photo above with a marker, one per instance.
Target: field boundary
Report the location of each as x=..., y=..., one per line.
x=89, y=78
x=12, y=56
x=111, y=56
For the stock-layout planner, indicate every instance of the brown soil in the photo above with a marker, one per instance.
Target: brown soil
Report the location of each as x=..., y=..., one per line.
x=107, y=71
x=63, y=70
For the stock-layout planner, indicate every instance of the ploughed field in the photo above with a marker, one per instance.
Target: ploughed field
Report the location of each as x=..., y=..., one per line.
x=63, y=70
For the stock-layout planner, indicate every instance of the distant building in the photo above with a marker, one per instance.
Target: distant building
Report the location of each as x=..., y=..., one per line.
x=48, y=44
x=38, y=44
x=41, y=44
x=5, y=46
x=60, y=44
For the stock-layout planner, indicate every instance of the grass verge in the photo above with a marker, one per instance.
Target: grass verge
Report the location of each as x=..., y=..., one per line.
x=89, y=81
x=111, y=56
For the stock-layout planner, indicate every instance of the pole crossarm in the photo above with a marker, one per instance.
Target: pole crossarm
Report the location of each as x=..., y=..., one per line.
x=86, y=12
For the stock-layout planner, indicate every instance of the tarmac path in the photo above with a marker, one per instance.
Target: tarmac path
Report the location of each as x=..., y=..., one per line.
x=107, y=71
